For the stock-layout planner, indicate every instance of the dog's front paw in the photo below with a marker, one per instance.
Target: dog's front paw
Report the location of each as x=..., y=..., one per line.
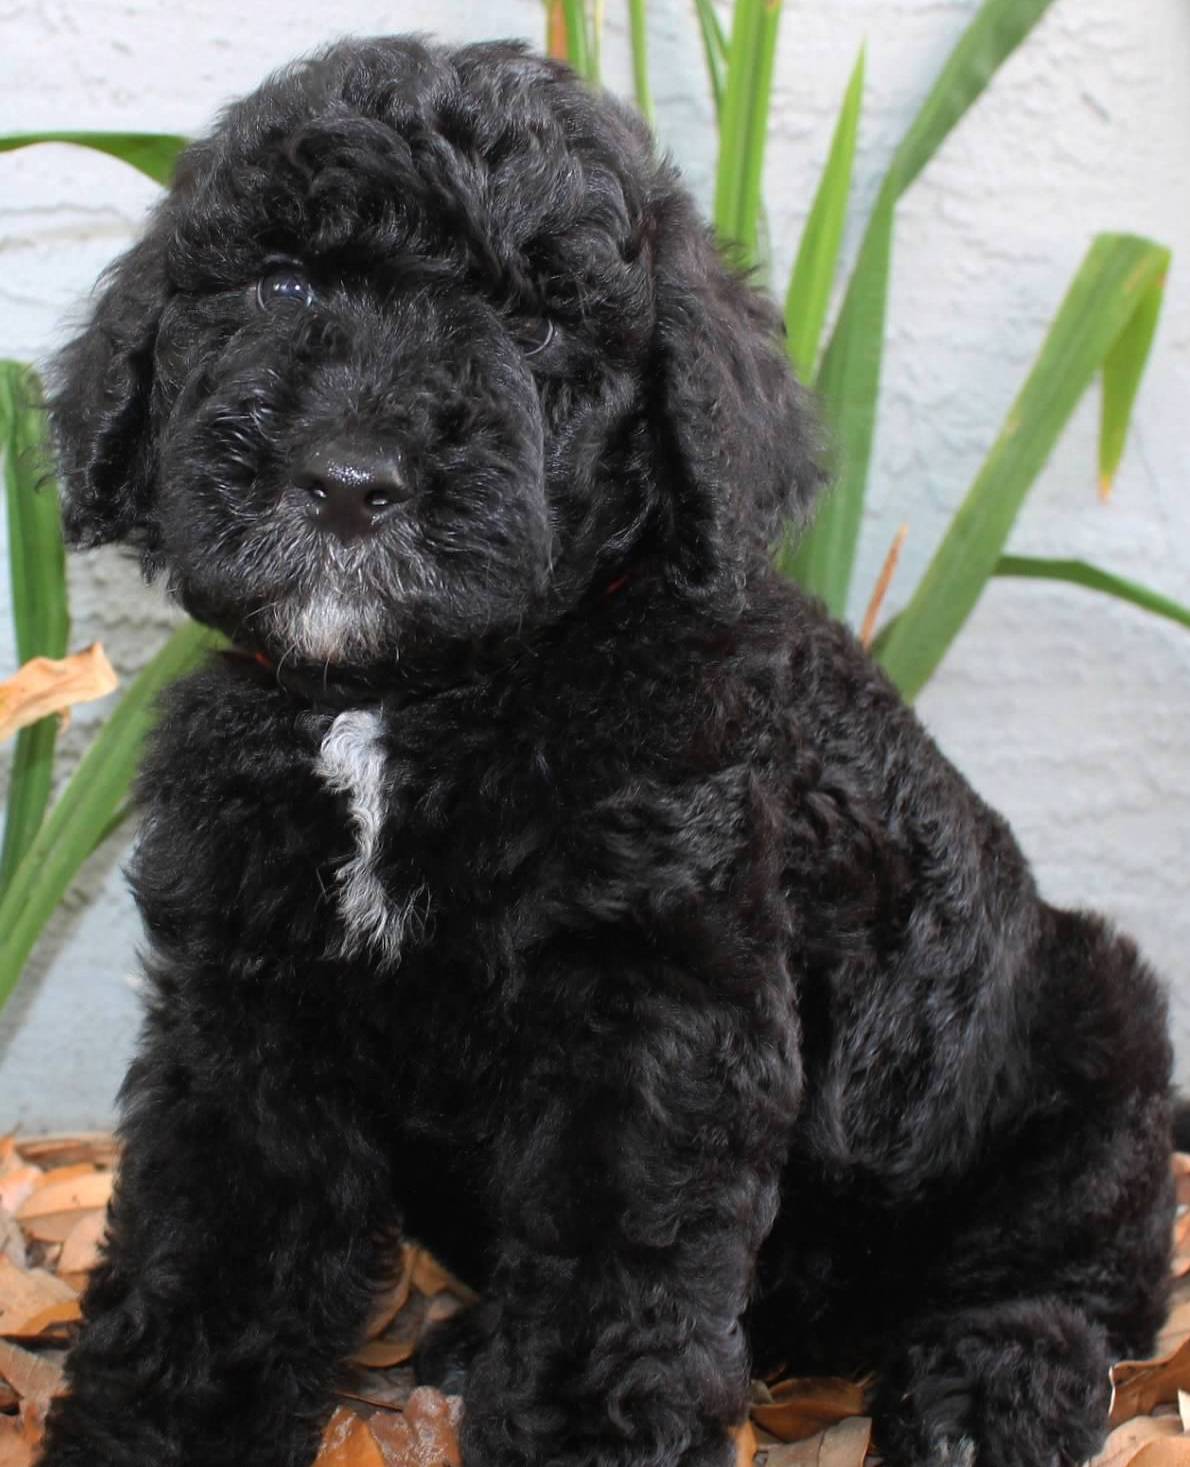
x=506, y=1426
x=1011, y=1385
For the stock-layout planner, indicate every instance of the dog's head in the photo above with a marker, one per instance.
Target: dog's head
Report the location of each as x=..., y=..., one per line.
x=422, y=345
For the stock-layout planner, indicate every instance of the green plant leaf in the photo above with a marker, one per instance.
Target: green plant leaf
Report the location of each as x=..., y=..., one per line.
x=714, y=45
x=848, y=383
x=39, y=603
x=154, y=153
x=640, y=58
x=1122, y=370
x=744, y=124
x=579, y=44
x=813, y=275
x=1112, y=284
x=1079, y=573
x=850, y=378
x=86, y=807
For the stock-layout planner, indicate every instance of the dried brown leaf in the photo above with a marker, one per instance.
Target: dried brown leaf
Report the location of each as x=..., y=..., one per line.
x=35, y=1378
x=801, y=1407
x=96, y=1148
x=1180, y=1263
x=16, y=1450
x=1181, y=1177
x=1139, y=1385
x=384, y=1354
x=17, y=1184
x=80, y=1249
x=71, y=1189
x=1126, y=1440
x=394, y=1299
x=429, y=1277
x=348, y=1442
x=425, y=1434
x=12, y=1240
x=25, y=1295
x=1172, y=1451
x=51, y=1317
x=57, y=1205
x=843, y=1445
x=48, y=685
x=1175, y=1329
x=746, y=1445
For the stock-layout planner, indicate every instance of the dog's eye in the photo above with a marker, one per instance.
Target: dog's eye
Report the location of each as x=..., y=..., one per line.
x=536, y=336
x=284, y=285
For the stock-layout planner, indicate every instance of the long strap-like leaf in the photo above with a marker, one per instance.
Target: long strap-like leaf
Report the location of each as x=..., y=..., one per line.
x=39, y=603
x=714, y=44
x=570, y=38
x=97, y=789
x=849, y=378
x=640, y=58
x=744, y=124
x=1079, y=573
x=813, y=276
x=1115, y=282
x=154, y=153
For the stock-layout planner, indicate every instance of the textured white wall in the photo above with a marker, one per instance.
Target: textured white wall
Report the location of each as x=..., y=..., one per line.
x=1067, y=711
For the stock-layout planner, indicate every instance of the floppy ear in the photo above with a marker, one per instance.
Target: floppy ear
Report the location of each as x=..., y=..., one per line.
x=99, y=404
x=735, y=428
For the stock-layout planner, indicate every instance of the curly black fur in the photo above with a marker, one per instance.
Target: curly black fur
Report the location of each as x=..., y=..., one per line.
x=565, y=889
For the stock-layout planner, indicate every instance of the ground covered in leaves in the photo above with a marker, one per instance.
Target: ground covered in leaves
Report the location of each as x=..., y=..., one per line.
x=53, y=1194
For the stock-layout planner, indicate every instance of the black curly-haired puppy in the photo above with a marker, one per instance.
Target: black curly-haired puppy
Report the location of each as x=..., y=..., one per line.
x=543, y=876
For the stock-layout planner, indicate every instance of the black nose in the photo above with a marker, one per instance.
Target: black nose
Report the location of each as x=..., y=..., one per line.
x=351, y=489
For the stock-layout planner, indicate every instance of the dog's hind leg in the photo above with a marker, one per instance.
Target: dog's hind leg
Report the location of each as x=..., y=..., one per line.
x=1052, y=1257
x=247, y=1238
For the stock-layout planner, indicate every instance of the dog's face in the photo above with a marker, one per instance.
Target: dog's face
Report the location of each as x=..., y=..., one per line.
x=424, y=346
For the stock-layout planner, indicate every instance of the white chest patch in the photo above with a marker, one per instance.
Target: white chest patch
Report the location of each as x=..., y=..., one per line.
x=352, y=762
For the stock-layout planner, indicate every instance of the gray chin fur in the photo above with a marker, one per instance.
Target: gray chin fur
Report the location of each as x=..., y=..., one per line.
x=327, y=626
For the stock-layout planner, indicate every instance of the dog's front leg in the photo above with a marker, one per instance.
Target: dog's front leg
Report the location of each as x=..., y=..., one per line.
x=245, y=1241
x=637, y=1179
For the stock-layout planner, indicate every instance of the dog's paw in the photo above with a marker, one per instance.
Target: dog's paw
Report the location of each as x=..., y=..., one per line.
x=1010, y=1385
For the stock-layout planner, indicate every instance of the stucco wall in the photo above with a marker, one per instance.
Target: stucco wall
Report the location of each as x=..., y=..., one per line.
x=1067, y=711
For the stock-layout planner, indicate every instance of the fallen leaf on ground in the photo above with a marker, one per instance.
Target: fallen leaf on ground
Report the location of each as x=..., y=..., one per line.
x=746, y=1445
x=27, y=1293
x=425, y=1434
x=799, y=1408
x=1180, y=1263
x=383, y=1354
x=1126, y=1440
x=96, y=1148
x=347, y=1442
x=1181, y=1177
x=16, y=1450
x=429, y=1277
x=16, y=1184
x=35, y=1378
x=394, y=1298
x=80, y=1250
x=48, y=685
x=53, y=1210
x=12, y=1240
x=67, y=1312
x=1139, y=1385
x=1173, y=1451
x=843, y=1445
